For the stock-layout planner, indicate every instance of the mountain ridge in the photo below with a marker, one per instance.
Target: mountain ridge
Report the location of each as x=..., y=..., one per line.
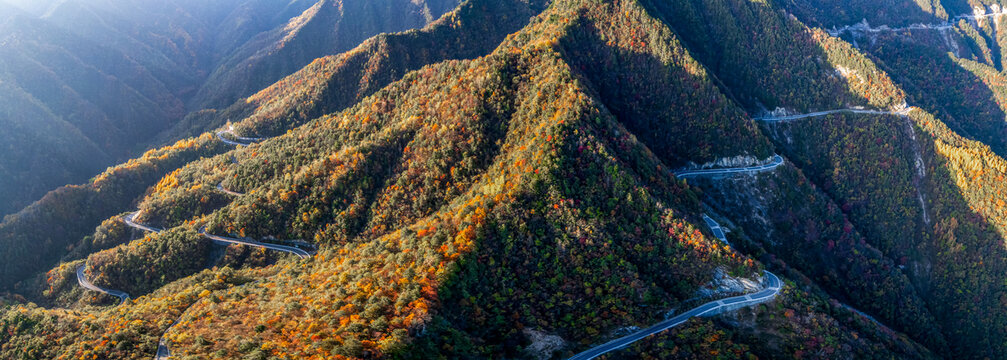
x=490, y=205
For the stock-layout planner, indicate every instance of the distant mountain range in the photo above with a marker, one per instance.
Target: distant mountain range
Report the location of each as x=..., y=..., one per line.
x=503, y=179
x=109, y=76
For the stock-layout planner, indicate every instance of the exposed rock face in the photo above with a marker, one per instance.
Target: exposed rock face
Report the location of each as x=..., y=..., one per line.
x=543, y=345
x=724, y=284
x=737, y=161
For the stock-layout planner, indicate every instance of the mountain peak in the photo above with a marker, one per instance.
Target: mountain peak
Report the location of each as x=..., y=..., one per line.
x=505, y=179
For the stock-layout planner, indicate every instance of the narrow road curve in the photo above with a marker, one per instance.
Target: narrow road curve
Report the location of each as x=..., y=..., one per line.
x=128, y=219
x=241, y=141
x=864, y=27
x=772, y=288
x=85, y=283
x=715, y=227
x=221, y=188
x=284, y=248
x=772, y=119
x=163, y=353
x=716, y=307
x=777, y=161
x=713, y=307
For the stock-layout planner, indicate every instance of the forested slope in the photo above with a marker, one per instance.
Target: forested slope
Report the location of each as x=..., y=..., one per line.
x=511, y=195
x=335, y=82
x=79, y=210
x=328, y=27
x=898, y=180
x=436, y=199
x=123, y=72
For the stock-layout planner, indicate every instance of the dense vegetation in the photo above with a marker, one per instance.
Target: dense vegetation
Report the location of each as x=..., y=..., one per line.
x=36, y=237
x=327, y=27
x=500, y=179
x=333, y=83
x=87, y=84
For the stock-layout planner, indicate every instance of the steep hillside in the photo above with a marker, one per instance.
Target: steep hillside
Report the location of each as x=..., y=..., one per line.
x=121, y=72
x=280, y=107
x=48, y=71
x=34, y=135
x=900, y=180
x=515, y=180
x=178, y=41
x=333, y=83
x=35, y=238
x=328, y=27
x=457, y=207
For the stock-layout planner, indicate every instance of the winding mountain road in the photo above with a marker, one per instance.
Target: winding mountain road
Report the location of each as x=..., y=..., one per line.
x=708, y=309
x=777, y=161
x=715, y=227
x=713, y=307
x=241, y=141
x=864, y=27
x=128, y=219
x=772, y=119
x=163, y=352
x=773, y=283
x=229, y=240
x=85, y=283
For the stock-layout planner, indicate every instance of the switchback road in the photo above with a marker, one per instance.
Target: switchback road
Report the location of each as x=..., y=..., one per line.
x=715, y=227
x=289, y=249
x=772, y=288
x=82, y=280
x=716, y=307
x=128, y=219
x=241, y=141
x=772, y=119
x=777, y=161
x=864, y=27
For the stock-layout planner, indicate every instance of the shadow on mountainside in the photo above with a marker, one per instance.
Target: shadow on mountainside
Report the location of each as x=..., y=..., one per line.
x=72, y=212
x=333, y=83
x=746, y=47
x=894, y=13
x=958, y=97
x=665, y=104
x=655, y=89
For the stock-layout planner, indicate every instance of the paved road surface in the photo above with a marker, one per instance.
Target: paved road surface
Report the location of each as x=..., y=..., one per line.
x=289, y=249
x=715, y=307
x=163, y=353
x=772, y=119
x=715, y=227
x=241, y=141
x=777, y=161
x=128, y=219
x=863, y=27
x=709, y=309
x=84, y=282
